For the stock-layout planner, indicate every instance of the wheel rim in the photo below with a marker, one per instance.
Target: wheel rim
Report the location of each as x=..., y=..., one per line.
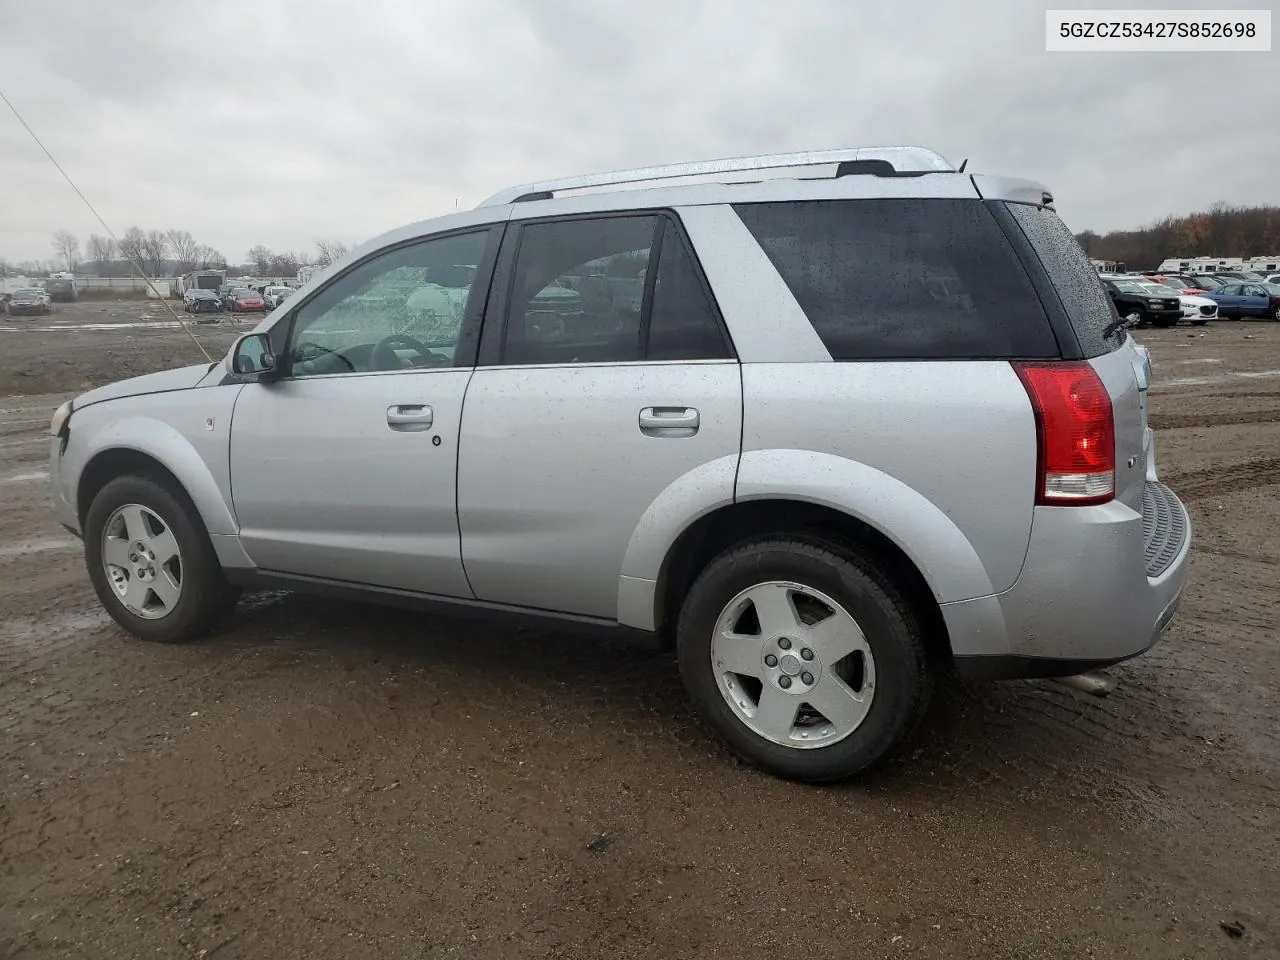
x=142, y=561
x=793, y=665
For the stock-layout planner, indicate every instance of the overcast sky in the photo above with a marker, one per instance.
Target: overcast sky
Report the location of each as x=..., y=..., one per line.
x=280, y=121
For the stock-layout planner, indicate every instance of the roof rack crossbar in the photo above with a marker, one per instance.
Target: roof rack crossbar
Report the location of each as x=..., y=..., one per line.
x=901, y=160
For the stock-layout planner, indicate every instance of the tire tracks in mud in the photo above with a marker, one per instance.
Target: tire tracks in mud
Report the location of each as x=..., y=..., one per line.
x=1227, y=478
x=1182, y=421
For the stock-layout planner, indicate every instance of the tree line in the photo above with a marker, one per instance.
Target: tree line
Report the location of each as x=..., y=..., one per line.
x=1221, y=231
x=161, y=253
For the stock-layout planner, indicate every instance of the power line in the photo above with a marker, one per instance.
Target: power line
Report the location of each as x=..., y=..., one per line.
x=136, y=265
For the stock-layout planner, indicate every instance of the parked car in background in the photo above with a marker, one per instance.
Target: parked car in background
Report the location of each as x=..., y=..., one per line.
x=1274, y=278
x=1207, y=281
x=738, y=460
x=1182, y=284
x=244, y=301
x=29, y=301
x=1134, y=297
x=198, y=300
x=1196, y=308
x=1232, y=276
x=61, y=287
x=274, y=296
x=1248, y=300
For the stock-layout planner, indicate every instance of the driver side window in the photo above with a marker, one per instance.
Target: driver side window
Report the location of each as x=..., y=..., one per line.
x=402, y=309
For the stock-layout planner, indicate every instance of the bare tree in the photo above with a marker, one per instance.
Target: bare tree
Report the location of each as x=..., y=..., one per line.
x=154, y=247
x=68, y=246
x=102, y=251
x=208, y=258
x=284, y=264
x=131, y=245
x=183, y=247
x=330, y=251
x=260, y=257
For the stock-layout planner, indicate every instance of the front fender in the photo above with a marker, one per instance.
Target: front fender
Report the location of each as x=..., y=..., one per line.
x=162, y=442
x=940, y=551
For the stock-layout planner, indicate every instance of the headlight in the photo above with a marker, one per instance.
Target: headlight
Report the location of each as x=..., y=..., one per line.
x=60, y=418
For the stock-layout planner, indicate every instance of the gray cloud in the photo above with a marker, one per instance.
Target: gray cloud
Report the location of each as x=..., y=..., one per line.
x=279, y=123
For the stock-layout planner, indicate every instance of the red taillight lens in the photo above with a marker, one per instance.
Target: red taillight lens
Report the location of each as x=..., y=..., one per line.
x=1075, y=433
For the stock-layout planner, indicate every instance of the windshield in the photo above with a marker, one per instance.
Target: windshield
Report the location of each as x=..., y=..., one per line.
x=28, y=294
x=1159, y=289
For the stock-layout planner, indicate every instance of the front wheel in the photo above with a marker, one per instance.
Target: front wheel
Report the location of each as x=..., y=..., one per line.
x=1275, y=312
x=806, y=660
x=151, y=562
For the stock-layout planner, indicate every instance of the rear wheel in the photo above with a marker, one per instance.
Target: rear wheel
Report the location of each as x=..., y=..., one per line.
x=151, y=562
x=803, y=658
x=1275, y=312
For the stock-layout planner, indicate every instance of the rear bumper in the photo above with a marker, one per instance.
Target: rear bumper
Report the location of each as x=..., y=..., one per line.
x=1099, y=586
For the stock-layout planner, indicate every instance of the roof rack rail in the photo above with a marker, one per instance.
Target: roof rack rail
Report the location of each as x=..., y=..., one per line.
x=878, y=161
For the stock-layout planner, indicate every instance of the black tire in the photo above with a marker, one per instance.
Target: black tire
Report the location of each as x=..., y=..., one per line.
x=1275, y=313
x=893, y=632
x=206, y=598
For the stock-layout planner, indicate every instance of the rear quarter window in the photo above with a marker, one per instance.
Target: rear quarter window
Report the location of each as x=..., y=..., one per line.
x=1072, y=274
x=895, y=279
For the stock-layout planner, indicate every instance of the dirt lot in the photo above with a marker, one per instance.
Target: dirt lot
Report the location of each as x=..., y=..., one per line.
x=327, y=780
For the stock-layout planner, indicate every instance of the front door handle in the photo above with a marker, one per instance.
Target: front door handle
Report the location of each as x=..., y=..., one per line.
x=409, y=417
x=669, y=421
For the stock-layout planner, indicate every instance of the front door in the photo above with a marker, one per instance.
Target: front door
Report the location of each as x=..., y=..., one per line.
x=611, y=378
x=346, y=468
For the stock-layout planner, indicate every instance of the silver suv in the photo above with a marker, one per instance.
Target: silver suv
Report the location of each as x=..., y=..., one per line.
x=833, y=423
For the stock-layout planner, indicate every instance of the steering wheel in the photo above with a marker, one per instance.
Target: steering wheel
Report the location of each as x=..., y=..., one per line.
x=318, y=352
x=385, y=358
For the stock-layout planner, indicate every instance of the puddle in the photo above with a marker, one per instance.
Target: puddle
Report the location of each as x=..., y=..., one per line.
x=32, y=477
x=25, y=630
x=38, y=546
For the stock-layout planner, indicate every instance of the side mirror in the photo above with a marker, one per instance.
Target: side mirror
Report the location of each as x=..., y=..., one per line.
x=252, y=357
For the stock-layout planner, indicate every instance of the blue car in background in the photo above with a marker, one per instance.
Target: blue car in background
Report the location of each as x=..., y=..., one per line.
x=1247, y=299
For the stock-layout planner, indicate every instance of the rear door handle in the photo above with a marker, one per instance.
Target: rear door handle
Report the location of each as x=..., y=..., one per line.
x=669, y=421
x=409, y=417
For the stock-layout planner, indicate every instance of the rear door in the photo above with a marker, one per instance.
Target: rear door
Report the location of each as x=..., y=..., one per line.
x=1255, y=301
x=605, y=376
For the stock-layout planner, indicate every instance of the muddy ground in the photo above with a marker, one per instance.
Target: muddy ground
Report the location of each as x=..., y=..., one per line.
x=330, y=780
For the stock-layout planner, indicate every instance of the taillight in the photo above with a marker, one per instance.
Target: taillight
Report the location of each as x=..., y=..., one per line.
x=1075, y=433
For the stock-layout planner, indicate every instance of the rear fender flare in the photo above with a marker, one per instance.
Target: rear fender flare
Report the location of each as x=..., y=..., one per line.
x=929, y=538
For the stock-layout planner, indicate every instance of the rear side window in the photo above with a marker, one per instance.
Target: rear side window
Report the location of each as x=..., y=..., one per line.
x=915, y=279
x=1087, y=305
